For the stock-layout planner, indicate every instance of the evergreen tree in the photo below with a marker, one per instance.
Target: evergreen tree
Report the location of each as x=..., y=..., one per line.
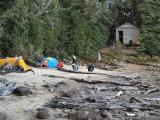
x=150, y=26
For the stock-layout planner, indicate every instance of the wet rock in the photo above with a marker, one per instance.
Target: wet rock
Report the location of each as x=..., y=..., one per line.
x=22, y=91
x=42, y=113
x=79, y=115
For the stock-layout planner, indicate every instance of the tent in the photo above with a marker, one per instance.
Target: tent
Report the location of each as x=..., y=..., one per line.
x=16, y=62
x=50, y=62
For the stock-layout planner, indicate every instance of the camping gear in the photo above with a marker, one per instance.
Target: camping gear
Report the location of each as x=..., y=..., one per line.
x=50, y=62
x=14, y=64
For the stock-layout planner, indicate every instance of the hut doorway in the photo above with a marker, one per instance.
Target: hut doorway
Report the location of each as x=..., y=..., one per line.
x=121, y=36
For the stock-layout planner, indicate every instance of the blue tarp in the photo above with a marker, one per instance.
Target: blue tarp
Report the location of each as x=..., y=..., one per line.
x=52, y=62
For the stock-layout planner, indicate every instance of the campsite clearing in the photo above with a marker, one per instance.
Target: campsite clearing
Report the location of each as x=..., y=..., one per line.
x=129, y=84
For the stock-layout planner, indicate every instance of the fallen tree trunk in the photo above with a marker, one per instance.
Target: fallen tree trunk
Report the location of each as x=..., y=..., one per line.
x=79, y=72
x=104, y=82
x=97, y=81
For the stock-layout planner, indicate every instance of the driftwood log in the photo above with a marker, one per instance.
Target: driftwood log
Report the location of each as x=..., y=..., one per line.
x=132, y=83
x=80, y=72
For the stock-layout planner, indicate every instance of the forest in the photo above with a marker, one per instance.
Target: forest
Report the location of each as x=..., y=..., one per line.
x=35, y=28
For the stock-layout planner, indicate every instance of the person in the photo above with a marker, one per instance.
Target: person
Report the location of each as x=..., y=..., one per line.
x=74, y=59
x=75, y=67
x=90, y=67
x=131, y=43
x=60, y=65
x=56, y=54
x=44, y=63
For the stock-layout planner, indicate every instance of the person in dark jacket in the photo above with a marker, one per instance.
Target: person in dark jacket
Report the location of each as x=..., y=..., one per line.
x=90, y=67
x=74, y=59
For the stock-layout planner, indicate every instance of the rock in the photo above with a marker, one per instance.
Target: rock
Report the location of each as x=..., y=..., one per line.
x=102, y=99
x=29, y=114
x=3, y=80
x=135, y=100
x=119, y=94
x=42, y=113
x=7, y=89
x=4, y=116
x=62, y=84
x=59, y=87
x=22, y=91
x=93, y=115
x=136, y=110
x=79, y=115
x=71, y=93
x=130, y=114
x=106, y=114
x=81, y=92
x=109, y=116
x=153, y=90
x=103, y=67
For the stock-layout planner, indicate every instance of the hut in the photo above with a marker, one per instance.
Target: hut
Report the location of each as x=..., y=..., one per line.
x=128, y=34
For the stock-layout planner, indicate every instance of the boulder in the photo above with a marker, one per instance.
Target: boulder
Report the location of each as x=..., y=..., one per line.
x=42, y=113
x=7, y=89
x=22, y=91
x=79, y=115
x=93, y=115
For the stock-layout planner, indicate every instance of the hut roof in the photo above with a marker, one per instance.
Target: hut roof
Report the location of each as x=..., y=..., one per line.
x=126, y=25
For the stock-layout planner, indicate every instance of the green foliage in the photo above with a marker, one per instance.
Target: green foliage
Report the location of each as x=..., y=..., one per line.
x=32, y=28
x=126, y=11
x=82, y=34
x=82, y=27
x=150, y=26
x=143, y=58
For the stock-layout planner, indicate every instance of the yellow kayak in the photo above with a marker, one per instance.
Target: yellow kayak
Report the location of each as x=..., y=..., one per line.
x=15, y=61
